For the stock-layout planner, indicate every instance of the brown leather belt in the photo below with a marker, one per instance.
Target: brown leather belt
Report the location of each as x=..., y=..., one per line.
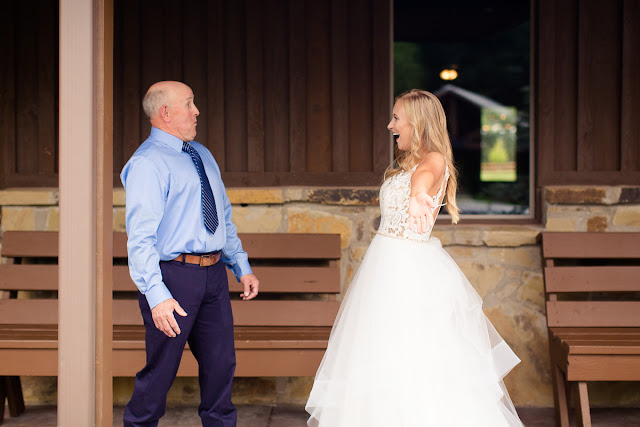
x=201, y=260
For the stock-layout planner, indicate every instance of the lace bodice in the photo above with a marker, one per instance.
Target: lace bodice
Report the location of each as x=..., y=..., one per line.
x=394, y=206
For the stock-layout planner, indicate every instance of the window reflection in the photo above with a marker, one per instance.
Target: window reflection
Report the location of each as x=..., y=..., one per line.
x=485, y=45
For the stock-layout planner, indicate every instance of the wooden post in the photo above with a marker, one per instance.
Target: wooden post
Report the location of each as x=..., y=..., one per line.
x=104, y=211
x=86, y=203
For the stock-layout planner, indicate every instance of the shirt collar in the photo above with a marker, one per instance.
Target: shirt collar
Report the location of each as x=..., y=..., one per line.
x=166, y=138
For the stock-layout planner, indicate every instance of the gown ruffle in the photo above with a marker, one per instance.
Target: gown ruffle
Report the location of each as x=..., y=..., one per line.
x=411, y=346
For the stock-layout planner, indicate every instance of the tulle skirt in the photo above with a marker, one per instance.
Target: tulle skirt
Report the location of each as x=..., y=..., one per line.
x=411, y=346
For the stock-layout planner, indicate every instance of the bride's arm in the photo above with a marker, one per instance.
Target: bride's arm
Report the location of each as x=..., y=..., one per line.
x=421, y=205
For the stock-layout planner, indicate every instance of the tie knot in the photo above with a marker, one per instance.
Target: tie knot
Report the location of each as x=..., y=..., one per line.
x=185, y=146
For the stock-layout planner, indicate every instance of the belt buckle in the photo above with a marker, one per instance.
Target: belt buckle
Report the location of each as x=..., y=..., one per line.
x=204, y=258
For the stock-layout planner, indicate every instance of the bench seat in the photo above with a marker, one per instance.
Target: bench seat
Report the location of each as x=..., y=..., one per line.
x=283, y=332
x=598, y=354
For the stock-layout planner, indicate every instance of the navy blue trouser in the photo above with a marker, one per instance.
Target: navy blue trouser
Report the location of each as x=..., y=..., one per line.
x=203, y=292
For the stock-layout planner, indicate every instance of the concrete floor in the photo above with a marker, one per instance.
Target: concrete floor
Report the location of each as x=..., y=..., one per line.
x=275, y=416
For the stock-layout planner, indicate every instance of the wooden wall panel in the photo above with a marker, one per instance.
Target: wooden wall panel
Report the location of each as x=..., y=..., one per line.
x=174, y=20
x=381, y=84
x=299, y=92
x=360, y=87
x=630, y=120
x=47, y=84
x=276, y=88
x=26, y=92
x=215, y=81
x=599, y=85
x=7, y=92
x=130, y=86
x=151, y=52
x=29, y=94
x=255, y=59
x=235, y=80
x=290, y=92
x=340, y=86
x=545, y=87
x=297, y=87
x=565, y=85
x=118, y=95
x=587, y=88
x=190, y=57
x=318, y=57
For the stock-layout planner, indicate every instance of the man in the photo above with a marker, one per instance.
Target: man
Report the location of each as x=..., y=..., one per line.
x=179, y=226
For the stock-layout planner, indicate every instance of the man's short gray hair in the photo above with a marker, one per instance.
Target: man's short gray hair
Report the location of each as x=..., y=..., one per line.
x=153, y=100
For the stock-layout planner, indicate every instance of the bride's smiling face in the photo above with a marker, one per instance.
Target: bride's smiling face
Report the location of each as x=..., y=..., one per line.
x=401, y=127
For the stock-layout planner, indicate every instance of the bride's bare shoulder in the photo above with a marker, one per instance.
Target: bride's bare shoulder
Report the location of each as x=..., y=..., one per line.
x=433, y=162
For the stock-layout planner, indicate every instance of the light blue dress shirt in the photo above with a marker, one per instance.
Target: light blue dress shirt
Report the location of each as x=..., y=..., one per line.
x=164, y=212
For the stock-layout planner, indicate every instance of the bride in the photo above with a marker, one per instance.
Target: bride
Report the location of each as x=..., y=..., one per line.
x=411, y=345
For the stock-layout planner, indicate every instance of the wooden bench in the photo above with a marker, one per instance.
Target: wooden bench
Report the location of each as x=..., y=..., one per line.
x=592, y=283
x=283, y=332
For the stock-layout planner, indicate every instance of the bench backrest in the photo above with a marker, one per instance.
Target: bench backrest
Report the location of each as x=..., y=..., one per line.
x=299, y=279
x=592, y=279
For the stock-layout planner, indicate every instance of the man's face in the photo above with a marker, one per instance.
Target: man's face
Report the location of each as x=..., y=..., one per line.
x=183, y=113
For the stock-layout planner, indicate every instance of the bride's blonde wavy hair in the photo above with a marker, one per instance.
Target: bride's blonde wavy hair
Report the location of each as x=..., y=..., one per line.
x=424, y=112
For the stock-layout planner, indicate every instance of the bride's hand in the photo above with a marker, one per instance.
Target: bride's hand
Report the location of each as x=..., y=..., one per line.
x=421, y=212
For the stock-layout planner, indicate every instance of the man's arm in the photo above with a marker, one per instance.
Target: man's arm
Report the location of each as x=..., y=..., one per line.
x=145, y=188
x=233, y=255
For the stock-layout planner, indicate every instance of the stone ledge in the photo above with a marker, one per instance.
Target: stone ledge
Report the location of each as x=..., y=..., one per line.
x=29, y=197
x=488, y=235
x=512, y=236
x=629, y=195
x=252, y=196
x=359, y=196
x=627, y=216
x=44, y=197
x=118, y=197
x=344, y=196
x=591, y=195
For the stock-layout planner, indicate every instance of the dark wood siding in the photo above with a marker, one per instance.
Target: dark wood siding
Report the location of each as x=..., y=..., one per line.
x=297, y=92
x=29, y=93
x=588, y=92
x=285, y=88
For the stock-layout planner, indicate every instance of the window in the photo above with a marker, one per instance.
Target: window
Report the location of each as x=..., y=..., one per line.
x=475, y=56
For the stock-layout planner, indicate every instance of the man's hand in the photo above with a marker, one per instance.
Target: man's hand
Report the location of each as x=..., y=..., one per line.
x=250, y=283
x=163, y=317
x=421, y=212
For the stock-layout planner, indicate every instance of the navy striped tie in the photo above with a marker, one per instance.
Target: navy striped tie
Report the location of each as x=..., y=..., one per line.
x=208, y=203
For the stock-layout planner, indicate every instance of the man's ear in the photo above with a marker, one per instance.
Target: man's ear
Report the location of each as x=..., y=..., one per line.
x=164, y=113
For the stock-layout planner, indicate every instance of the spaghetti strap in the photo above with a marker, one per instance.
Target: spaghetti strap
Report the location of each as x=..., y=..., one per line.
x=445, y=179
x=438, y=197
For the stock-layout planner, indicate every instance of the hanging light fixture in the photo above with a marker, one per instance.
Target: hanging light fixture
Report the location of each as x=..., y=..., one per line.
x=450, y=73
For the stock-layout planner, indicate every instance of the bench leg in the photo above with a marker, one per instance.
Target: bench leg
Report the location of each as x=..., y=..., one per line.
x=560, y=397
x=15, y=399
x=583, y=414
x=3, y=397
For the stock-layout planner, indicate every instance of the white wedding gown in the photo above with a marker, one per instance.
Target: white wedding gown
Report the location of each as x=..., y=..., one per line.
x=411, y=345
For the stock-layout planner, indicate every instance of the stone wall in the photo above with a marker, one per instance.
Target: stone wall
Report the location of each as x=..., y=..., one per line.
x=577, y=208
x=502, y=261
